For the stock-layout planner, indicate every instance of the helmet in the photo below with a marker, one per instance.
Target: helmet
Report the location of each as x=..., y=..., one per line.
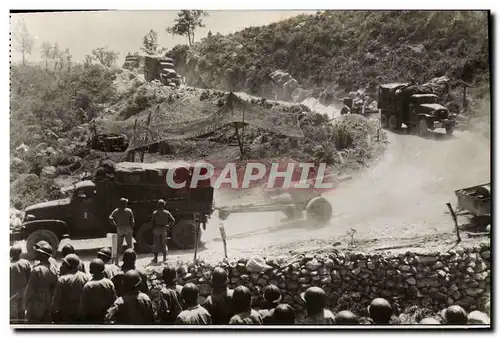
x=169, y=274
x=272, y=294
x=455, y=314
x=72, y=260
x=105, y=253
x=346, y=318
x=129, y=256
x=131, y=279
x=161, y=203
x=123, y=201
x=96, y=266
x=242, y=295
x=189, y=293
x=39, y=243
x=67, y=249
x=314, y=295
x=219, y=277
x=380, y=310
x=44, y=248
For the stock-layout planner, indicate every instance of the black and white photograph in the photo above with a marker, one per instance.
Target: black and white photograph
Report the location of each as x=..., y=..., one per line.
x=243, y=169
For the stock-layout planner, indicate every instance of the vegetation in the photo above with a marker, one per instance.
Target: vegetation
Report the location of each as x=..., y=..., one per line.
x=150, y=44
x=186, y=24
x=23, y=40
x=104, y=56
x=346, y=49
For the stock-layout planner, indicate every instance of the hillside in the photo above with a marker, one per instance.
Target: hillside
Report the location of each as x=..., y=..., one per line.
x=335, y=52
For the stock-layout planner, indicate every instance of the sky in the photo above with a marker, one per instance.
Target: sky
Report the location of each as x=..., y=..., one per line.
x=123, y=30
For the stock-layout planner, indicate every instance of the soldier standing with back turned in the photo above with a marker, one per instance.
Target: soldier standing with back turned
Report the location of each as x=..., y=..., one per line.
x=162, y=220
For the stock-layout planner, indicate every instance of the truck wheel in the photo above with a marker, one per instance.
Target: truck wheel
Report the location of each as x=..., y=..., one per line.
x=449, y=130
x=383, y=120
x=41, y=235
x=319, y=210
x=183, y=234
x=394, y=124
x=423, y=128
x=144, y=238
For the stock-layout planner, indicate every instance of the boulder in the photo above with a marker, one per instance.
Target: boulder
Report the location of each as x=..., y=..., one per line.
x=257, y=264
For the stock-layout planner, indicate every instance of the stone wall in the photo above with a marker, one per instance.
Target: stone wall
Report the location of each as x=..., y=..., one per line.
x=431, y=280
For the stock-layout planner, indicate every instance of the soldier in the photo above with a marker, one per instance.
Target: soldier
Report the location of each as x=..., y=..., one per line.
x=123, y=219
x=245, y=315
x=129, y=258
x=20, y=270
x=315, y=298
x=454, y=315
x=346, y=318
x=219, y=303
x=429, y=321
x=380, y=311
x=169, y=298
x=40, y=289
x=134, y=307
x=194, y=314
x=345, y=108
x=272, y=297
x=284, y=315
x=110, y=269
x=68, y=249
x=162, y=220
x=98, y=294
x=52, y=260
x=68, y=291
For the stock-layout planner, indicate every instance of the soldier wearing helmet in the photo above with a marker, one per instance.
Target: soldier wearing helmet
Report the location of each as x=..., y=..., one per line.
x=68, y=291
x=346, y=318
x=454, y=315
x=245, y=315
x=162, y=221
x=193, y=313
x=272, y=297
x=134, y=307
x=380, y=311
x=346, y=110
x=52, y=260
x=68, y=249
x=219, y=303
x=98, y=294
x=168, y=301
x=20, y=270
x=315, y=299
x=110, y=269
x=123, y=220
x=129, y=257
x=41, y=285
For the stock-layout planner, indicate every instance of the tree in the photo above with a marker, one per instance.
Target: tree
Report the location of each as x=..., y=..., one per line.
x=55, y=55
x=150, y=44
x=186, y=23
x=46, y=50
x=105, y=56
x=68, y=58
x=23, y=40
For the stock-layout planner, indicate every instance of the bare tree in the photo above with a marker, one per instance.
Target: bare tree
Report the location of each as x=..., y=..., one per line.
x=46, y=52
x=186, y=24
x=55, y=55
x=23, y=40
x=68, y=57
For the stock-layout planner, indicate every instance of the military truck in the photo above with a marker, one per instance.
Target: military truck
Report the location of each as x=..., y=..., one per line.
x=415, y=106
x=84, y=213
x=108, y=142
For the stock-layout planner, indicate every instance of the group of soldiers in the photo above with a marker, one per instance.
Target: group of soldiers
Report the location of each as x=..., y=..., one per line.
x=123, y=220
x=47, y=293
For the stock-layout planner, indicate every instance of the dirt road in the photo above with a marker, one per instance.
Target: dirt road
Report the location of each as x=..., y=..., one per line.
x=401, y=199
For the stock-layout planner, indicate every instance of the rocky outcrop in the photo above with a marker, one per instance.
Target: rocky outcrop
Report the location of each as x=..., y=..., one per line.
x=432, y=280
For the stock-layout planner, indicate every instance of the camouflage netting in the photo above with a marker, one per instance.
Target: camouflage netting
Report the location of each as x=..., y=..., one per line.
x=235, y=110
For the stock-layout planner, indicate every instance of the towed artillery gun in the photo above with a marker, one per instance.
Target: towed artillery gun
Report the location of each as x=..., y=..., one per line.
x=84, y=214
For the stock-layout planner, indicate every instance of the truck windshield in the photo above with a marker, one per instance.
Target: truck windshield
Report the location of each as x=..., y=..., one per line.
x=427, y=99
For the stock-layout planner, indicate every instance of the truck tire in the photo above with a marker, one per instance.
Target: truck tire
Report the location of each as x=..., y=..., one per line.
x=423, y=128
x=319, y=211
x=449, y=130
x=144, y=238
x=394, y=123
x=384, y=120
x=183, y=234
x=41, y=235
